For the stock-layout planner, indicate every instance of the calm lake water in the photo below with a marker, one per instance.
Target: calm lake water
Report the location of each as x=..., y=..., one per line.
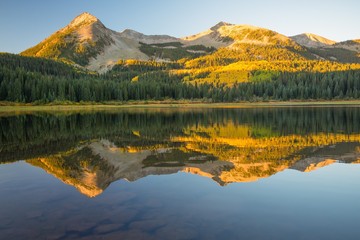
x=264, y=173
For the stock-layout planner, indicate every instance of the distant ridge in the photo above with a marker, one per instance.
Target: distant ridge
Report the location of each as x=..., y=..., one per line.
x=312, y=40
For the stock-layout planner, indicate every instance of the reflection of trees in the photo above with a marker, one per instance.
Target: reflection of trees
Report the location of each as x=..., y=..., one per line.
x=89, y=151
x=29, y=136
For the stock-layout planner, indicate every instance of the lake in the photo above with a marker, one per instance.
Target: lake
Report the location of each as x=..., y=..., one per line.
x=252, y=173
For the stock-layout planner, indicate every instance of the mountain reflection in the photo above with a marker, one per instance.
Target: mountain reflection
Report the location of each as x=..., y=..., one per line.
x=92, y=150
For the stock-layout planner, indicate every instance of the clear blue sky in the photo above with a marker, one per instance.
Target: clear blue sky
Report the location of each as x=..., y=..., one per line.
x=24, y=23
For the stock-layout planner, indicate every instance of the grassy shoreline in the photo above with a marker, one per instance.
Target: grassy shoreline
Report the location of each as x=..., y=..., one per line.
x=17, y=107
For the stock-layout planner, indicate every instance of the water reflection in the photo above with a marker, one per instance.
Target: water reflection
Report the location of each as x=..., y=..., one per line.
x=91, y=150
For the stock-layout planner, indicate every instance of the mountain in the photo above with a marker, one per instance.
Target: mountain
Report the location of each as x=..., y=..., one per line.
x=325, y=49
x=209, y=38
x=83, y=38
x=352, y=45
x=88, y=43
x=312, y=41
x=230, y=35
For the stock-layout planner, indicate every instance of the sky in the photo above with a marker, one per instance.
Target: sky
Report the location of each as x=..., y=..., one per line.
x=24, y=23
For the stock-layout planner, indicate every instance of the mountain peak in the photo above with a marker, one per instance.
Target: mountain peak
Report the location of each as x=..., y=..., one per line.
x=219, y=25
x=131, y=33
x=318, y=38
x=84, y=18
x=312, y=40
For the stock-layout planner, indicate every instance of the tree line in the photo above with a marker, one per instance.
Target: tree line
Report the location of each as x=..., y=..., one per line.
x=39, y=80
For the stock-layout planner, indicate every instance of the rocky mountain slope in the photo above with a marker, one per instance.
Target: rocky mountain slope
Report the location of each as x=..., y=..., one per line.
x=312, y=41
x=352, y=45
x=87, y=42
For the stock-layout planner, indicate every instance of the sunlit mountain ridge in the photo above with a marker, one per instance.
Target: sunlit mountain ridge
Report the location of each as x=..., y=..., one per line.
x=87, y=42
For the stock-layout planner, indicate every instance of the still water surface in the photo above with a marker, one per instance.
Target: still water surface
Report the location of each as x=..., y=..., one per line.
x=265, y=173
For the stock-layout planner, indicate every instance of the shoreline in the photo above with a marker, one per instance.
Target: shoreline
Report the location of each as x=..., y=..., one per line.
x=16, y=107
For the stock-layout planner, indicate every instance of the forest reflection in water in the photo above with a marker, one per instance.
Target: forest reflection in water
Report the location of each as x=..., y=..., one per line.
x=181, y=174
x=91, y=150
